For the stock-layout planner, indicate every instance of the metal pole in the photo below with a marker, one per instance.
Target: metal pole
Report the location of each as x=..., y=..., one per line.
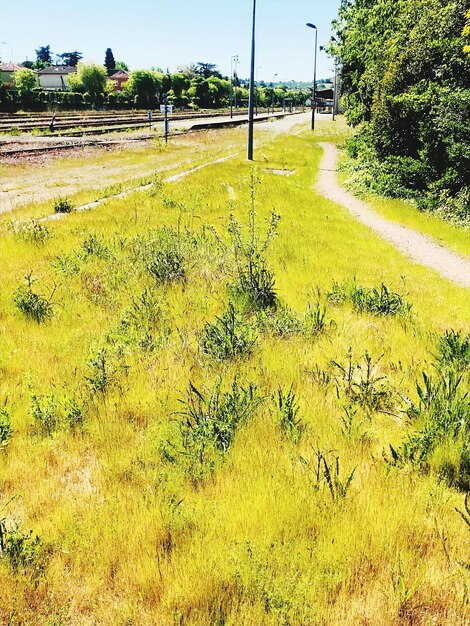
x=314, y=90
x=231, y=87
x=166, y=118
x=272, y=99
x=334, y=94
x=314, y=82
x=251, y=96
x=235, y=86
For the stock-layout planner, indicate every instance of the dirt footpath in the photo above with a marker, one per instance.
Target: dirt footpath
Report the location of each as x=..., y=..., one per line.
x=417, y=247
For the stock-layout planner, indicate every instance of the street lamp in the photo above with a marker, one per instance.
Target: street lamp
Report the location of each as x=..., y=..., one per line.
x=232, y=59
x=257, y=90
x=252, y=78
x=314, y=92
x=11, y=50
x=235, y=63
x=272, y=98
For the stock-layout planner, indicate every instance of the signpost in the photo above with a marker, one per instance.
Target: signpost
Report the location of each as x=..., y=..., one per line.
x=166, y=108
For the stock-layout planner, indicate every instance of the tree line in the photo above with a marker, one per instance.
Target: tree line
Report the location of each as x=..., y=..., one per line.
x=405, y=73
x=195, y=86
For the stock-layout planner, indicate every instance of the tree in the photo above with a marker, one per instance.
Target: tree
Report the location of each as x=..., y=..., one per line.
x=70, y=58
x=89, y=78
x=466, y=32
x=44, y=55
x=145, y=86
x=121, y=65
x=109, y=62
x=207, y=69
x=406, y=82
x=25, y=81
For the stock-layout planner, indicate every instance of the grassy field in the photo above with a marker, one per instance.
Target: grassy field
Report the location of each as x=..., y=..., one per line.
x=213, y=416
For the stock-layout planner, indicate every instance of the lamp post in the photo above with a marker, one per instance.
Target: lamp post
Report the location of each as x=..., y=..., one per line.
x=314, y=92
x=232, y=59
x=272, y=95
x=11, y=50
x=251, y=96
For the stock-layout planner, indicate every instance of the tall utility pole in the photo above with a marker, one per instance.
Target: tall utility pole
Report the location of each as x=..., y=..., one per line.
x=232, y=59
x=314, y=90
x=272, y=98
x=252, y=91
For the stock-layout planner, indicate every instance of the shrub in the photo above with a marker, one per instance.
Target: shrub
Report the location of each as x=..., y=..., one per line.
x=254, y=282
x=5, y=427
x=440, y=437
x=63, y=205
x=361, y=385
x=20, y=548
x=45, y=412
x=162, y=255
x=228, y=338
x=210, y=420
x=379, y=301
x=31, y=231
x=140, y=322
x=32, y=304
x=453, y=350
x=104, y=371
x=287, y=414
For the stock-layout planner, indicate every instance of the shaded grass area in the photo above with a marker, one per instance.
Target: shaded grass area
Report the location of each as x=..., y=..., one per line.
x=145, y=517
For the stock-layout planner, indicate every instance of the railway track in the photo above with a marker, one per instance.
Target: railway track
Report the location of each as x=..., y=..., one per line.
x=10, y=123
x=72, y=144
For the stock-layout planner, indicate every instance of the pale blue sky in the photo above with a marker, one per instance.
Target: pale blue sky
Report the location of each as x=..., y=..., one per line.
x=170, y=33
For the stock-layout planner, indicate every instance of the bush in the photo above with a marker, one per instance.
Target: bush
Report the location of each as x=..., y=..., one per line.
x=287, y=411
x=34, y=305
x=63, y=205
x=379, y=301
x=162, y=255
x=228, y=338
x=209, y=423
x=5, y=427
x=254, y=282
x=31, y=231
x=20, y=548
x=45, y=412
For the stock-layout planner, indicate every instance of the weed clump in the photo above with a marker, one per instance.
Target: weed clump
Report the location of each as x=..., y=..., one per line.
x=361, y=385
x=209, y=422
x=6, y=430
x=63, y=205
x=377, y=301
x=229, y=337
x=254, y=283
x=287, y=410
x=33, y=304
x=18, y=547
x=31, y=231
x=140, y=322
x=51, y=412
x=162, y=255
x=453, y=350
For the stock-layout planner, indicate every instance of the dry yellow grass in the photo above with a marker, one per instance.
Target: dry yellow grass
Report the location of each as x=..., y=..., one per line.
x=128, y=537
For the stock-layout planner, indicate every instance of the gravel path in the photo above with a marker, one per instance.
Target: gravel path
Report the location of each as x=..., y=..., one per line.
x=417, y=247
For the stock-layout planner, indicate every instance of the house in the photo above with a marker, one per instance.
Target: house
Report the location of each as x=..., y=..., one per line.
x=54, y=77
x=7, y=73
x=119, y=77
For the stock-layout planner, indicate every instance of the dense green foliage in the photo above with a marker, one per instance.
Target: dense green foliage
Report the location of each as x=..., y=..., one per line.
x=406, y=84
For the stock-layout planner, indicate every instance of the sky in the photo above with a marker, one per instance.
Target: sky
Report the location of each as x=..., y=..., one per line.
x=173, y=33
